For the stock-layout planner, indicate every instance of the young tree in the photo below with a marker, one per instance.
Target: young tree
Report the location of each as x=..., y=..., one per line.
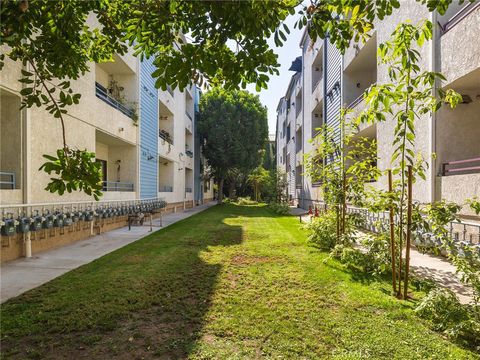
x=342, y=164
x=259, y=178
x=233, y=128
x=405, y=99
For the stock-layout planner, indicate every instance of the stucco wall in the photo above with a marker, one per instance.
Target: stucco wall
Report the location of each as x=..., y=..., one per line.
x=458, y=60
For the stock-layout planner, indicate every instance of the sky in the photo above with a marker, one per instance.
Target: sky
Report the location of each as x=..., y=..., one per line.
x=277, y=86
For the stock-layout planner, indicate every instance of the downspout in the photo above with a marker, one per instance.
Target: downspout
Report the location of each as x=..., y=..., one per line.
x=325, y=80
x=433, y=119
x=302, y=191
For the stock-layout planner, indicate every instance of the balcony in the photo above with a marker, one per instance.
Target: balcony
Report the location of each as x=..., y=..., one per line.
x=188, y=189
x=165, y=188
x=467, y=166
x=457, y=61
x=164, y=135
x=10, y=148
x=166, y=175
x=317, y=94
x=189, y=153
x=103, y=94
x=189, y=122
x=7, y=180
x=117, y=186
x=119, y=162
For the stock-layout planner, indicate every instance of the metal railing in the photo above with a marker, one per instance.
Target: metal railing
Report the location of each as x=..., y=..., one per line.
x=314, y=88
x=357, y=101
x=459, y=16
x=162, y=134
x=165, y=188
x=188, y=189
x=102, y=93
x=461, y=166
x=7, y=180
x=117, y=186
x=460, y=231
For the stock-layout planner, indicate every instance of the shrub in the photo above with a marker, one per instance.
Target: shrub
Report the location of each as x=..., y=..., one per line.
x=322, y=231
x=279, y=208
x=442, y=308
x=246, y=201
x=377, y=253
x=445, y=313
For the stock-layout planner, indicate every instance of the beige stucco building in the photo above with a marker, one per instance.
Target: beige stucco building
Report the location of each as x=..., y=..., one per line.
x=326, y=81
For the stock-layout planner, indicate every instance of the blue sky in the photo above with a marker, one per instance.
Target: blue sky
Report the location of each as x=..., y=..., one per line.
x=277, y=86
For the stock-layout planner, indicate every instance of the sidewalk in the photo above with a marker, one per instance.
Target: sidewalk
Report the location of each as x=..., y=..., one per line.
x=429, y=266
x=23, y=274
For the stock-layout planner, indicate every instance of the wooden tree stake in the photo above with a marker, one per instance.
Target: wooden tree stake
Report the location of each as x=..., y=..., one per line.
x=392, y=236
x=409, y=225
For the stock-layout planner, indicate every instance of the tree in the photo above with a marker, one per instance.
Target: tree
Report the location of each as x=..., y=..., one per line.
x=228, y=46
x=233, y=129
x=342, y=164
x=259, y=178
x=406, y=98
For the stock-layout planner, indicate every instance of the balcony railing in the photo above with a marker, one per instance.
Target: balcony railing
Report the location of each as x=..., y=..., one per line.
x=7, y=180
x=188, y=189
x=459, y=16
x=189, y=153
x=188, y=115
x=165, y=188
x=102, y=93
x=467, y=166
x=316, y=84
x=165, y=136
x=117, y=186
x=357, y=101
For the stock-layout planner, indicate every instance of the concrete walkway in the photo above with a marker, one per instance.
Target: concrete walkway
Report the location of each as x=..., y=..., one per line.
x=429, y=266
x=21, y=275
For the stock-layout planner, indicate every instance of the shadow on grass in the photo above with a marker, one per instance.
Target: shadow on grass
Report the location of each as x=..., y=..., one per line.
x=146, y=300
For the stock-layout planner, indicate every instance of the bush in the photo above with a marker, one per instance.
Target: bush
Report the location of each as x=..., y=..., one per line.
x=323, y=231
x=372, y=258
x=445, y=313
x=279, y=208
x=442, y=308
x=246, y=201
x=377, y=253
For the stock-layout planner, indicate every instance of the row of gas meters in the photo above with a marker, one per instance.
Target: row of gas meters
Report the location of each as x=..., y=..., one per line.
x=11, y=226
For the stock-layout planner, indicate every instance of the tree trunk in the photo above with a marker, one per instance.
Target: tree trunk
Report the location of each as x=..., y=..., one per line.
x=231, y=190
x=220, y=191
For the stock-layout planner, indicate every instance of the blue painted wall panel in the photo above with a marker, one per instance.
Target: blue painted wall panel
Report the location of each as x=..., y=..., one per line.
x=333, y=94
x=148, y=131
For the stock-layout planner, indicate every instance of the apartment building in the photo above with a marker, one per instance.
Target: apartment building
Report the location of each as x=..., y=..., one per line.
x=327, y=80
x=143, y=137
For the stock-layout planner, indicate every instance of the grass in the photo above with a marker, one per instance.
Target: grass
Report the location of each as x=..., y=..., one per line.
x=233, y=282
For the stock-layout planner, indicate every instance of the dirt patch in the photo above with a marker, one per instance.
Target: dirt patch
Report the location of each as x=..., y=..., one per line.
x=134, y=259
x=245, y=259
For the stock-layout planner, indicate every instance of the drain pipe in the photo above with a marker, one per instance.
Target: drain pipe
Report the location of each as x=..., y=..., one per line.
x=433, y=119
x=302, y=190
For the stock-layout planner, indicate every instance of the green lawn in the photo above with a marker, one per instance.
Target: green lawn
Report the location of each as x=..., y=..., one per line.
x=230, y=283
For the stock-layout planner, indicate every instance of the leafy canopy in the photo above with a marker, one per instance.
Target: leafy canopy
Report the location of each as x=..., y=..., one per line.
x=233, y=130
x=227, y=40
